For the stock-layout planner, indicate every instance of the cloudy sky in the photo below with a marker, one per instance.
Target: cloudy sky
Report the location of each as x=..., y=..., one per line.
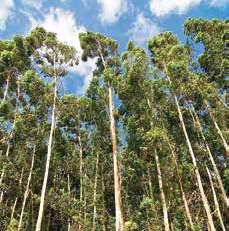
x=123, y=20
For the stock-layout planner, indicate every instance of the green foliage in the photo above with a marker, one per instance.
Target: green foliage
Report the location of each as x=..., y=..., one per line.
x=80, y=186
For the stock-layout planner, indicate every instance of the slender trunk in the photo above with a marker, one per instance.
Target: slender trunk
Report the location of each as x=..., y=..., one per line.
x=43, y=191
x=84, y=223
x=215, y=200
x=81, y=179
x=16, y=199
x=198, y=177
x=26, y=193
x=8, y=143
x=150, y=183
x=69, y=193
x=3, y=171
x=6, y=89
x=117, y=183
x=164, y=206
x=104, y=209
x=117, y=178
x=218, y=177
x=81, y=168
x=218, y=129
x=95, y=193
x=13, y=209
x=189, y=216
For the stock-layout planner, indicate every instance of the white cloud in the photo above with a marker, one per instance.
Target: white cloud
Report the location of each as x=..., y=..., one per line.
x=219, y=3
x=165, y=7
x=37, y=4
x=5, y=12
x=143, y=29
x=63, y=23
x=111, y=10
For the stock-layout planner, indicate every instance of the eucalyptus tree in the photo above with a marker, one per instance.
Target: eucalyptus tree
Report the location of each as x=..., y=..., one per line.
x=72, y=119
x=53, y=59
x=103, y=202
x=29, y=128
x=173, y=60
x=13, y=61
x=213, y=62
x=104, y=49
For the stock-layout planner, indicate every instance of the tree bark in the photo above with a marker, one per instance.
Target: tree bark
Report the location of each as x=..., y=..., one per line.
x=188, y=214
x=6, y=89
x=43, y=191
x=16, y=199
x=215, y=200
x=69, y=193
x=3, y=171
x=117, y=182
x=81, y=179
x=164, y=206
x=218, y=177
x=198, y=177
x=95, y=193
x=26, y=193
x=218, y=129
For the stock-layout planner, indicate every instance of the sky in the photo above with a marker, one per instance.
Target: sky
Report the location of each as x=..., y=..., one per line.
x=123, y=20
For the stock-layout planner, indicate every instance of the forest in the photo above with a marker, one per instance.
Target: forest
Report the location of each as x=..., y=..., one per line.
x=144, y=149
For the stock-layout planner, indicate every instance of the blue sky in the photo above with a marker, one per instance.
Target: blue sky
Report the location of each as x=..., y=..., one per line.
x=121, y=19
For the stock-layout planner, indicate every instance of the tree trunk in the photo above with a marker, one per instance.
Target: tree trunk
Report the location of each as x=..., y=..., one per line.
x=43, y=191
x=69, y=193
x=13, y=209
x=215, y=200
x=104, y=209
x=164, y=206
x=150, y=183
x=3, y=171
x=117, y=184
x=200, y=185
x=26, y=193
x=16, y=199
x=95, y=193
x=226, y=200
x=188, y=214
x=218, y=129
x=8, y=143
x=81, y=179
x=117, y=178
x=6, y=89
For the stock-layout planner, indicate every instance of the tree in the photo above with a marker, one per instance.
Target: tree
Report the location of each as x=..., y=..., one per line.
x=53, y=56
x=96, y=45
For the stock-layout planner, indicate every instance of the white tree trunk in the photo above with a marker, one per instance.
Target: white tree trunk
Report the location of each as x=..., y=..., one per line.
x=43, y=191
x=164, y=206
x=81, y=179
x=218, y=129
x=226, y=200
x=16, y=199
x=117, y=178
x=3, y=171
x=200, y=185
x=189, y=216
x=95, y=193
x=26, y=193
x=69, y=193
x=6, y=89
x=117, y=183
x=215, y=200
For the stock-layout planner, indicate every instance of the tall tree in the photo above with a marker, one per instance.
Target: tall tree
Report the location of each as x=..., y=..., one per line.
x=105, y=49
